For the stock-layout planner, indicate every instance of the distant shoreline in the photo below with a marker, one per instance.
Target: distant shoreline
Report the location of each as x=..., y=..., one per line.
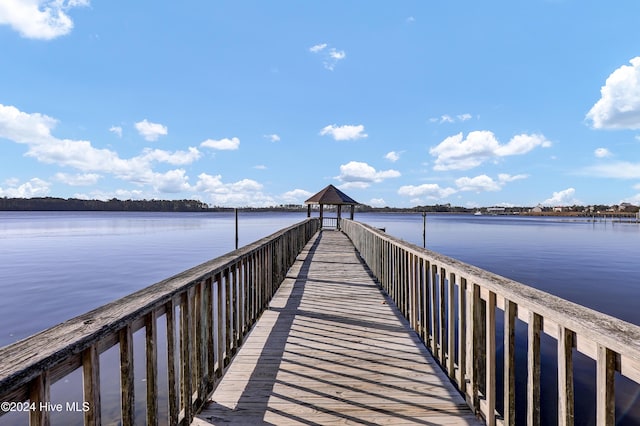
x=115, y=205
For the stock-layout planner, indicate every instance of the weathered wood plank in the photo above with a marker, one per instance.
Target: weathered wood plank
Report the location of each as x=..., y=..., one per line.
x=331, y=348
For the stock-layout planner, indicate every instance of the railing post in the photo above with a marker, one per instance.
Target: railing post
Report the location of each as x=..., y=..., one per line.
x=451, y=326
x=126, y=376
x=91, y=385
x=533, y=369
x=565, y=377
x=605, y=395
x=462, y=334
x=40, y=394
x=509, y=411
x=171, y=361
x=490, y=366
x=186, y=346
x=151, y=337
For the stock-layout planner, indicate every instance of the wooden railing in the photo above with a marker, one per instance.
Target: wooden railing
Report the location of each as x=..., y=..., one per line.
x=330, y=222
x=453, y=306
x=207, y=310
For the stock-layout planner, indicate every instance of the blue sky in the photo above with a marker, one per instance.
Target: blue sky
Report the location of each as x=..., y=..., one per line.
x=255, y=103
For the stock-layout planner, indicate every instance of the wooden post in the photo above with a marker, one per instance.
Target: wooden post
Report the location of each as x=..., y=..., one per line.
x=91, y=385
x=40, y=394
x=236, y=213
x=565, y=377
x=510, y=312
x=424, y=229
x=126, y=375
x=174, y=406
x=151, y=337
x=605, y=395
x=490, y=364
x=533, y=369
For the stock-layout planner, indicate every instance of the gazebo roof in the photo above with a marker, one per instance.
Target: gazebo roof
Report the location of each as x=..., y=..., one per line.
x=331, y=195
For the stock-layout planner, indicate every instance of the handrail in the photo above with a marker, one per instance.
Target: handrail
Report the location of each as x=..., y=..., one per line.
x=452, y=306
x=218, y=300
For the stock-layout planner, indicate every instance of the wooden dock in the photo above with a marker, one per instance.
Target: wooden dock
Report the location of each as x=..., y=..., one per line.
x=332, y=349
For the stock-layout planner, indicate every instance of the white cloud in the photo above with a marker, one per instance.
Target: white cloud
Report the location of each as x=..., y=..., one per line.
x=34, y=188
x=337, y=55
x=35, y=129
x=273, y=137
x=618, y=170
x=85, y=179
x=330, y=57
x=428, y=190
x=392, y=156
x=317, y=48
x=344, y=133
x=361, y=175
x=296, y=196
x=25, y=128
x=562, y=198
x=459, y=153
x=173, y=181
x=504, y=177
x=446, y=118
x=260, y=167
x=117, y=130
x=39, y=19
x=245, y=192
x=619, y=104
x=224, y=144
x=480, y=183
x=483, y=183
x=377, y=202
x=521, y=144
x=150, y=131
x=602, y=153
x=177, y=158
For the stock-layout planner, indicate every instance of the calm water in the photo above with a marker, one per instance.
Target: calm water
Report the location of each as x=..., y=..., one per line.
x=54, y=266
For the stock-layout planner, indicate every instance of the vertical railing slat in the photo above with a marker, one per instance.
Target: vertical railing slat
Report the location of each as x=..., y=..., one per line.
x=462, y=333
x=565, y=377
x=533, y=369
x=186, y=347
x=151, y=338
x=605, y=395
x=40, y=393
x=490, y=350
x=510, y=313
x=451, y=326
x=174, y=398
x=91, y=385
x=126, y=376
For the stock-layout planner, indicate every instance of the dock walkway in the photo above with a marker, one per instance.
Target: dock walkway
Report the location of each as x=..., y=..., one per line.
x=332, y=349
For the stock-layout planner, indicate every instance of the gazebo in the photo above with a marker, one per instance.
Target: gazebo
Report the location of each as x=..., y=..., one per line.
x=331, y=196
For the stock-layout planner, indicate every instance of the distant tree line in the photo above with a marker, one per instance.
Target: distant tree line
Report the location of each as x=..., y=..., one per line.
x=75, y=204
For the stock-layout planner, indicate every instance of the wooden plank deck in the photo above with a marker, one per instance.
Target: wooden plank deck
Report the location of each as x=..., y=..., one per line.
x=331, y=350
